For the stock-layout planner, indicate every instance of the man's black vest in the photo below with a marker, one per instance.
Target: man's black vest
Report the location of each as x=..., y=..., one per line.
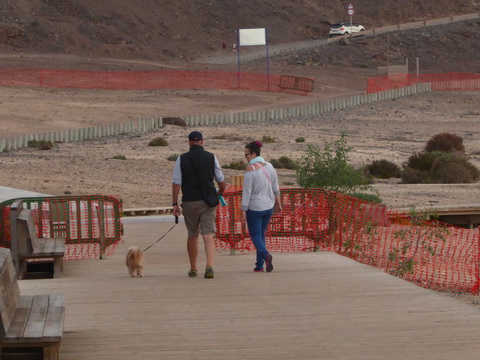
x=195, y=165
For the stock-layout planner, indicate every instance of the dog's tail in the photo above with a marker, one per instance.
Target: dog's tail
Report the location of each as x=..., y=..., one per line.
x=133, y=256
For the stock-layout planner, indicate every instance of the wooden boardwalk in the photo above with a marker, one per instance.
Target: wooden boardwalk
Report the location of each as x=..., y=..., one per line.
x=312, y=306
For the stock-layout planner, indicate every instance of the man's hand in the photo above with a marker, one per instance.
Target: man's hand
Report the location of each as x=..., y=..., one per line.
x=177, y=210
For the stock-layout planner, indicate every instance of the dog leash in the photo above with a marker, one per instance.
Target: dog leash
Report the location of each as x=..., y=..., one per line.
x=176, y=222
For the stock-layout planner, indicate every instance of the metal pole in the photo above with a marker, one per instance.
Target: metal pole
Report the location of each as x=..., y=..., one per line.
x=238, y=58
x=268, y=61
x=351, y=26
x=418, y=68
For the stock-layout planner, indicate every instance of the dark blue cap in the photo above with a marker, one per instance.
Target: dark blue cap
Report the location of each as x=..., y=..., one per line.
x=195, y=136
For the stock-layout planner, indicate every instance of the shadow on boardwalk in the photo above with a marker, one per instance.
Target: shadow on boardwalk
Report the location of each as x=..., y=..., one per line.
x=312, y=306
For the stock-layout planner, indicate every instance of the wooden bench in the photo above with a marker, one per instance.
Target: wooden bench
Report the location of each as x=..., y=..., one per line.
x=31, y=326
x=29, y=246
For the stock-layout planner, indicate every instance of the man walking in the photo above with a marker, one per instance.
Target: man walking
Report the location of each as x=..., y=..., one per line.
x=194, y=174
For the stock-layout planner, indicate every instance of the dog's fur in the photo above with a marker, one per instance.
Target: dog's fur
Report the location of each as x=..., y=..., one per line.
x=135, y=261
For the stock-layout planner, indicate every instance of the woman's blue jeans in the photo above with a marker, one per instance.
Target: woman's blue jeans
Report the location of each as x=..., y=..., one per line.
x=257, y=222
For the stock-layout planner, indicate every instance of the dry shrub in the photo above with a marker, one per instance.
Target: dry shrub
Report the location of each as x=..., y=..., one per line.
x=414, y=176
x=235, y=165
x=40, y=144
x=445, y=142
x=453, y=169
x=447, y=168
x=383, y=169
x=284, y=162
x=421, y=161
x=159, y=141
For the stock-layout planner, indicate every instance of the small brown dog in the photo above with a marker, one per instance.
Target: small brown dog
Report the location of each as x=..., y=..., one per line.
x=135, y=261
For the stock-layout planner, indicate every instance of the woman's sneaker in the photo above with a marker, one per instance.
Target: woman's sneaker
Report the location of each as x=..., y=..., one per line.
x=192, y=273
x=258, y=270
x=268, y=263
x=209, y=273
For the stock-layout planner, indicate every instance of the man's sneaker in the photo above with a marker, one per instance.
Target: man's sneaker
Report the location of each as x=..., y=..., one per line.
x=209, y=273
x=258, y=270
x=192, y=273
x=268, y=263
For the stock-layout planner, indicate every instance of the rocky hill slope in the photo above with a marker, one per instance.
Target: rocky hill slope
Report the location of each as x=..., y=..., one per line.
x=183, y=29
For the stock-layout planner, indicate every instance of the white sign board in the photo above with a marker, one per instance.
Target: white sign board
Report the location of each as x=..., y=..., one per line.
x=252, y=37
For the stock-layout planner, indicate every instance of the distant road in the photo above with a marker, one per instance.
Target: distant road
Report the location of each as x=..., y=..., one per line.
x=260, y=52
x=254, y=53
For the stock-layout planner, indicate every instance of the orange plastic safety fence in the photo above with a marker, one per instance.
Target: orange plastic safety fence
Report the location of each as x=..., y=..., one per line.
x=139, y=80
x=428, y=253
x=91, y=225
x=447, y=82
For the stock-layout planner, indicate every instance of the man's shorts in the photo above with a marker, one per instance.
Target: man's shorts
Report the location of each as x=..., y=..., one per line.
x=199, y=217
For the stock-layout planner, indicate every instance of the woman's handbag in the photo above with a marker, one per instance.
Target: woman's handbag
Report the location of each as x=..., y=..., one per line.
x=209, y=193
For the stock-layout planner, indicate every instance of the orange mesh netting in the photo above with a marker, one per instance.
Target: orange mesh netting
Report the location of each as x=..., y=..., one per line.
x=139, y=80
x=91, y=225
x=446, y=82
x=431, y=254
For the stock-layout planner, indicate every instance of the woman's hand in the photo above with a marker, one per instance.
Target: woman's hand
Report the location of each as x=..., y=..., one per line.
x=278, y=204
x=244, y=216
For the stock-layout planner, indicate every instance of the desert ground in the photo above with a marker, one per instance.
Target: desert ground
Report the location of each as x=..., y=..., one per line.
x=392, y=130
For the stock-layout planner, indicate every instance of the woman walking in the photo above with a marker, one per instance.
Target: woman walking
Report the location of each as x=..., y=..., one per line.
x=260, y=194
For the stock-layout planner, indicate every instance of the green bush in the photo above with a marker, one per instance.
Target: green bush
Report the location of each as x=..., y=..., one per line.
x=445, y=142
x=284, y=162
x=173, y=157
x=236, y=165
x=383, y=169
x=40, y=144
x=368, y=197
x=267, y=139
x=300, y=139
x=119, y=157
x=329, y=169
x=32, y=143
x=159, y=141
x=421, y=161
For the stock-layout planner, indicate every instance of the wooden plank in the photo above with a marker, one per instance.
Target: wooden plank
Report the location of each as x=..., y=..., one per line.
x=53, y=329
x=9, y=291
x=48, y=245
x=17, y=327
x=36, y=321
x=24, y=214
x=32, y=320
x=59, y=245
x=25, y=302
x=23, y=233
x=4, y=254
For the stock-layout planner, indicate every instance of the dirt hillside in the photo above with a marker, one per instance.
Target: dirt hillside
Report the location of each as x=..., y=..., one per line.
x=183, y=30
